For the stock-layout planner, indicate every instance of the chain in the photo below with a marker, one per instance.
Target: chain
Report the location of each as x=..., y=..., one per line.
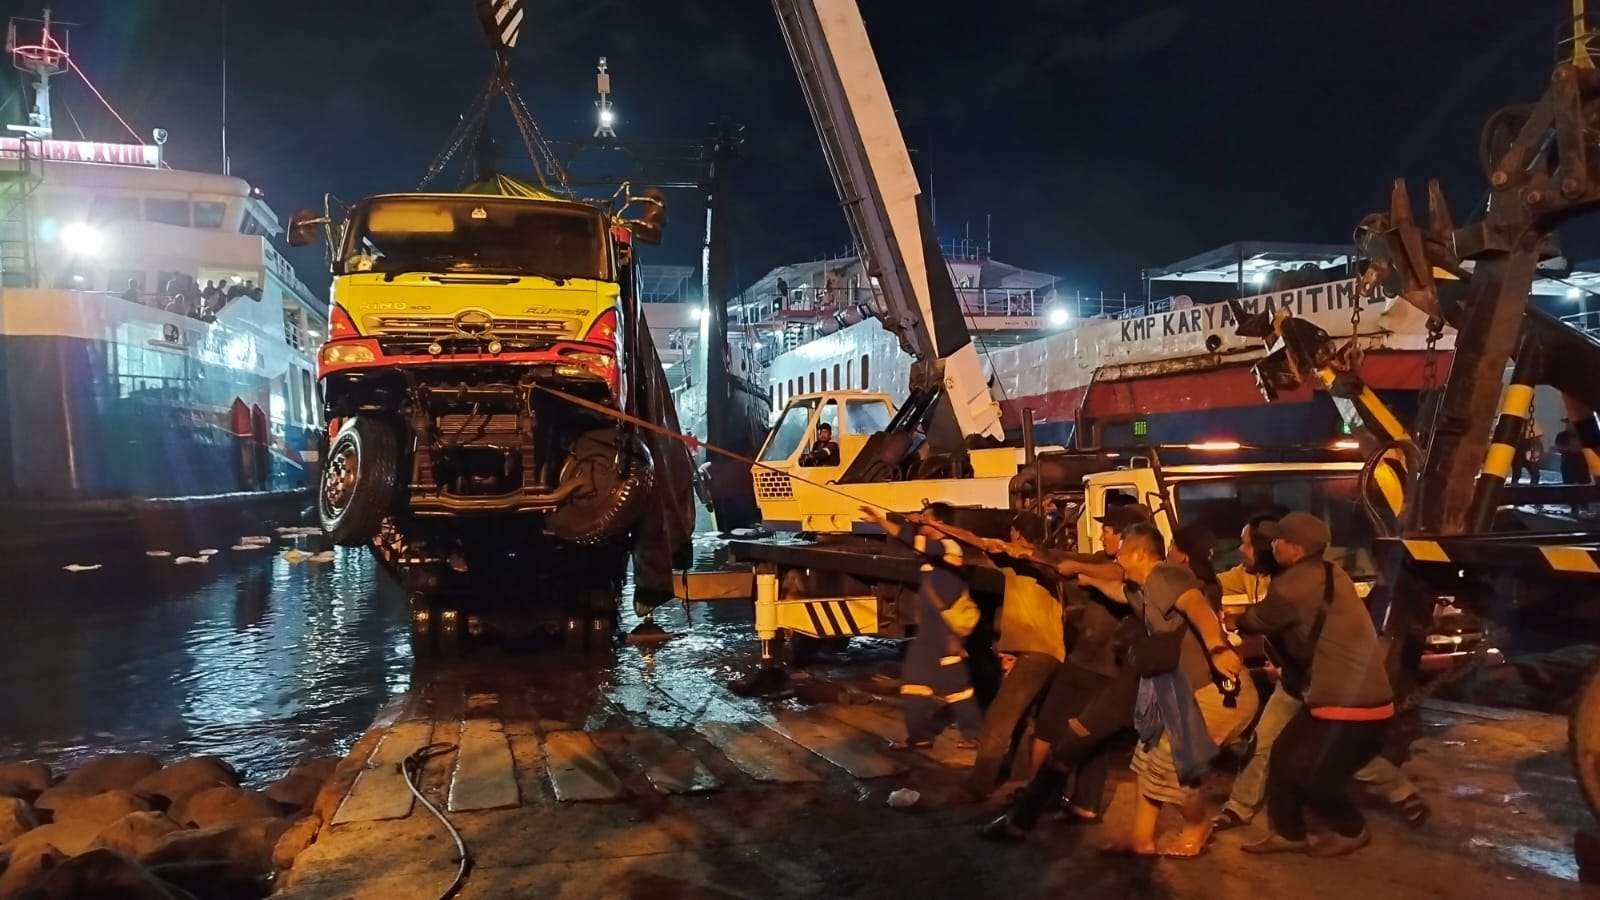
x=1430, y=381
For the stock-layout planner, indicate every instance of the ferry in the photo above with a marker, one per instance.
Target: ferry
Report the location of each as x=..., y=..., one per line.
x=157, y=349
x=1169, y=370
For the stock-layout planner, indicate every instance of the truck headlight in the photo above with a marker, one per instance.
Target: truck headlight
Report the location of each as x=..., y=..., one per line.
x=343, y=354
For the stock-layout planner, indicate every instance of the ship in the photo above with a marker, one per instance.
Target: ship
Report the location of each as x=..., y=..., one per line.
x=157, y=348
x=1107, y=370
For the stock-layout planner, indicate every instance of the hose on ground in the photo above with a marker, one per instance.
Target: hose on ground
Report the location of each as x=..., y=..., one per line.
x=411, y=769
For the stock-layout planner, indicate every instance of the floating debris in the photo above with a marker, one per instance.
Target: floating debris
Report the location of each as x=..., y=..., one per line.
x=158, y=554
x=191, y=560
x=256, y=539
x=251, y=546
x=325, y=556
x=904, y=798
x=80, y=567
x=294, y=556
x=207, y=552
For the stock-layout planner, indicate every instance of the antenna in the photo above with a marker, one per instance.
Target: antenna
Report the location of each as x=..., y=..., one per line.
x=43, y=59
x=226, y=163
x=606, y=118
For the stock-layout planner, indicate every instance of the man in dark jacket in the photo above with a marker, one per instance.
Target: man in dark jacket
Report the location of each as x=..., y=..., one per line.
x=1324, y=634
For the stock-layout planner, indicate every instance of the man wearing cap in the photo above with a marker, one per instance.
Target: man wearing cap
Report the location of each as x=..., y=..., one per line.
x=1252, y=577
x=1323, y=635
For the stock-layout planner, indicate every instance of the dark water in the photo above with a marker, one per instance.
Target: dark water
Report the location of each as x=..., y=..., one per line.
x=250, y=657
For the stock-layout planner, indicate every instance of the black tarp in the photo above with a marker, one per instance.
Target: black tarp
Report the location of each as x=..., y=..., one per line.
x=663, y=537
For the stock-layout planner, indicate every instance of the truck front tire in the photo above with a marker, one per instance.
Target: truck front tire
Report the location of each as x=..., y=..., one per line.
x=359, y=478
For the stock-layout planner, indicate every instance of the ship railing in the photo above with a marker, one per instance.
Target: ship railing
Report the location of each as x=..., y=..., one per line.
x=1586, y=322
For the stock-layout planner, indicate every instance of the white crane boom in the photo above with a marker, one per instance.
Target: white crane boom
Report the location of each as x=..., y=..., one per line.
x=878, y=189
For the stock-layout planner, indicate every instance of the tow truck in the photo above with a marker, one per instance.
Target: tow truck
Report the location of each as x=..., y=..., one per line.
x=838, y=578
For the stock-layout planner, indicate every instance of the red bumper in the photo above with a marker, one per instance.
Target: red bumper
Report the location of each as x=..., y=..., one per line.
x=594, y=359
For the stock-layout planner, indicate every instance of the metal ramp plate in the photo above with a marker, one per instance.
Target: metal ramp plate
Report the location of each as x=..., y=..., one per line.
x=578, y=770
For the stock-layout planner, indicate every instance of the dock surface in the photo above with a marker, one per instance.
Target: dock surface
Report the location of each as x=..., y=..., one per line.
x=646, y=778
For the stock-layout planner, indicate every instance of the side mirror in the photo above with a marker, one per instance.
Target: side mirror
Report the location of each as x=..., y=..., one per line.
x=302, y=228
x=652, y=217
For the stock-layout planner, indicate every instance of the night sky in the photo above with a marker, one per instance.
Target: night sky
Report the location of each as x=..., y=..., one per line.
x=1102, y=138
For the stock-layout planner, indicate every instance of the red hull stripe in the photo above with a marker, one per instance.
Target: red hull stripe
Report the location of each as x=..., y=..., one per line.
x=1220, y=388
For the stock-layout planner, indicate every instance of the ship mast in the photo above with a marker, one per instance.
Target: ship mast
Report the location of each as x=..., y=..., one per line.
x=43, y=59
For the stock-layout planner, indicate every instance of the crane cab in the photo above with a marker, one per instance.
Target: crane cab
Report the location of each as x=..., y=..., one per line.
x=798, y=493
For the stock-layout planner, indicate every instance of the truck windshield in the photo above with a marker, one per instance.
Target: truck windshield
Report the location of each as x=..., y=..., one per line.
x=494, y=235
x=790, y=432
x=1225, y=504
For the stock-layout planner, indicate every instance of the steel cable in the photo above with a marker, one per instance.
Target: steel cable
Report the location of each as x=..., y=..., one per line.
x=410, y=769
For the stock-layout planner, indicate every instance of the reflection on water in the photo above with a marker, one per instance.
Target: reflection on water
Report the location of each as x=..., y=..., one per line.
x=262, y=662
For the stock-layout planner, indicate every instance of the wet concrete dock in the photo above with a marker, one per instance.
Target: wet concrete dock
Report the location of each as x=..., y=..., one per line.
x=645, y=777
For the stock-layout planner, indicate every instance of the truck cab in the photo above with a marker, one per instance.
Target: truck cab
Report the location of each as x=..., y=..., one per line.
x=796, y=495
x=1223, y=495
x=467, y=331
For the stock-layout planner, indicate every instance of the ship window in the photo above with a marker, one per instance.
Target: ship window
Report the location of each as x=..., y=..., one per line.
x=824, y=379
x=170, y=212
x=812, y=380
x=866, y=416
x=850, y=374
x=209, y=214
x=251, y=225
x=774, y=398
x=790, y=432
x=106, y=208
x=837, y=384
x=864, y=383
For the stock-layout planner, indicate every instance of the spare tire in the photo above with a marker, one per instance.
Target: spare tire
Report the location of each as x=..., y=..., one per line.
x=607, y=504
x=359, y=476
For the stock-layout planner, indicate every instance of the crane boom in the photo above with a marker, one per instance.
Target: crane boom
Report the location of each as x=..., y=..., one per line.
x=871, y=169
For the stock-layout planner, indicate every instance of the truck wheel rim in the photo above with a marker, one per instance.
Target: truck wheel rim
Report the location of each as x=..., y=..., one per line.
x=339, y=479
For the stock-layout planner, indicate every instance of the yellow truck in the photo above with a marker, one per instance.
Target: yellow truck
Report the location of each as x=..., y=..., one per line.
x=477, y=343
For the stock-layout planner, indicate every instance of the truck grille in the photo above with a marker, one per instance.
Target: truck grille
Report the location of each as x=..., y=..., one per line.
x=439, y=328
x=773, y=486
x=461, y=427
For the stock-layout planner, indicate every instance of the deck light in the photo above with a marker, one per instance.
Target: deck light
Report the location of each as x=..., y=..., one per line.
x=1573, y=293
x=1059, y=316
x=1216, y=446
x=82, y=239
x=698, y=313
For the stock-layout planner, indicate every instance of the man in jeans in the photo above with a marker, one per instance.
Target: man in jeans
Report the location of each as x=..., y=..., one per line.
x=1253, y=576
x=1320, y=628
x=1031, y=636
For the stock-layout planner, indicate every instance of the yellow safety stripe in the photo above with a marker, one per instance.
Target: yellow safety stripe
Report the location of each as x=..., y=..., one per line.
x=1385, y=419
x=1392, y=485
x=949, y=660
x=1580, y=36
x=958, y=696
x=1570, y=559
x=1518, y=399
x=916, y=690
x=1426, y=551
x=1497, y=461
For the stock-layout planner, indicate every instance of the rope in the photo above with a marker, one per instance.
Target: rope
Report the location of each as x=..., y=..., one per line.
x=694, y=443
x=411, y=768
x=106, y=103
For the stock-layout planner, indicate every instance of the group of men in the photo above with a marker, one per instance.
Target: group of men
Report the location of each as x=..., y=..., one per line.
x=183, y=295
x=1131, y=638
